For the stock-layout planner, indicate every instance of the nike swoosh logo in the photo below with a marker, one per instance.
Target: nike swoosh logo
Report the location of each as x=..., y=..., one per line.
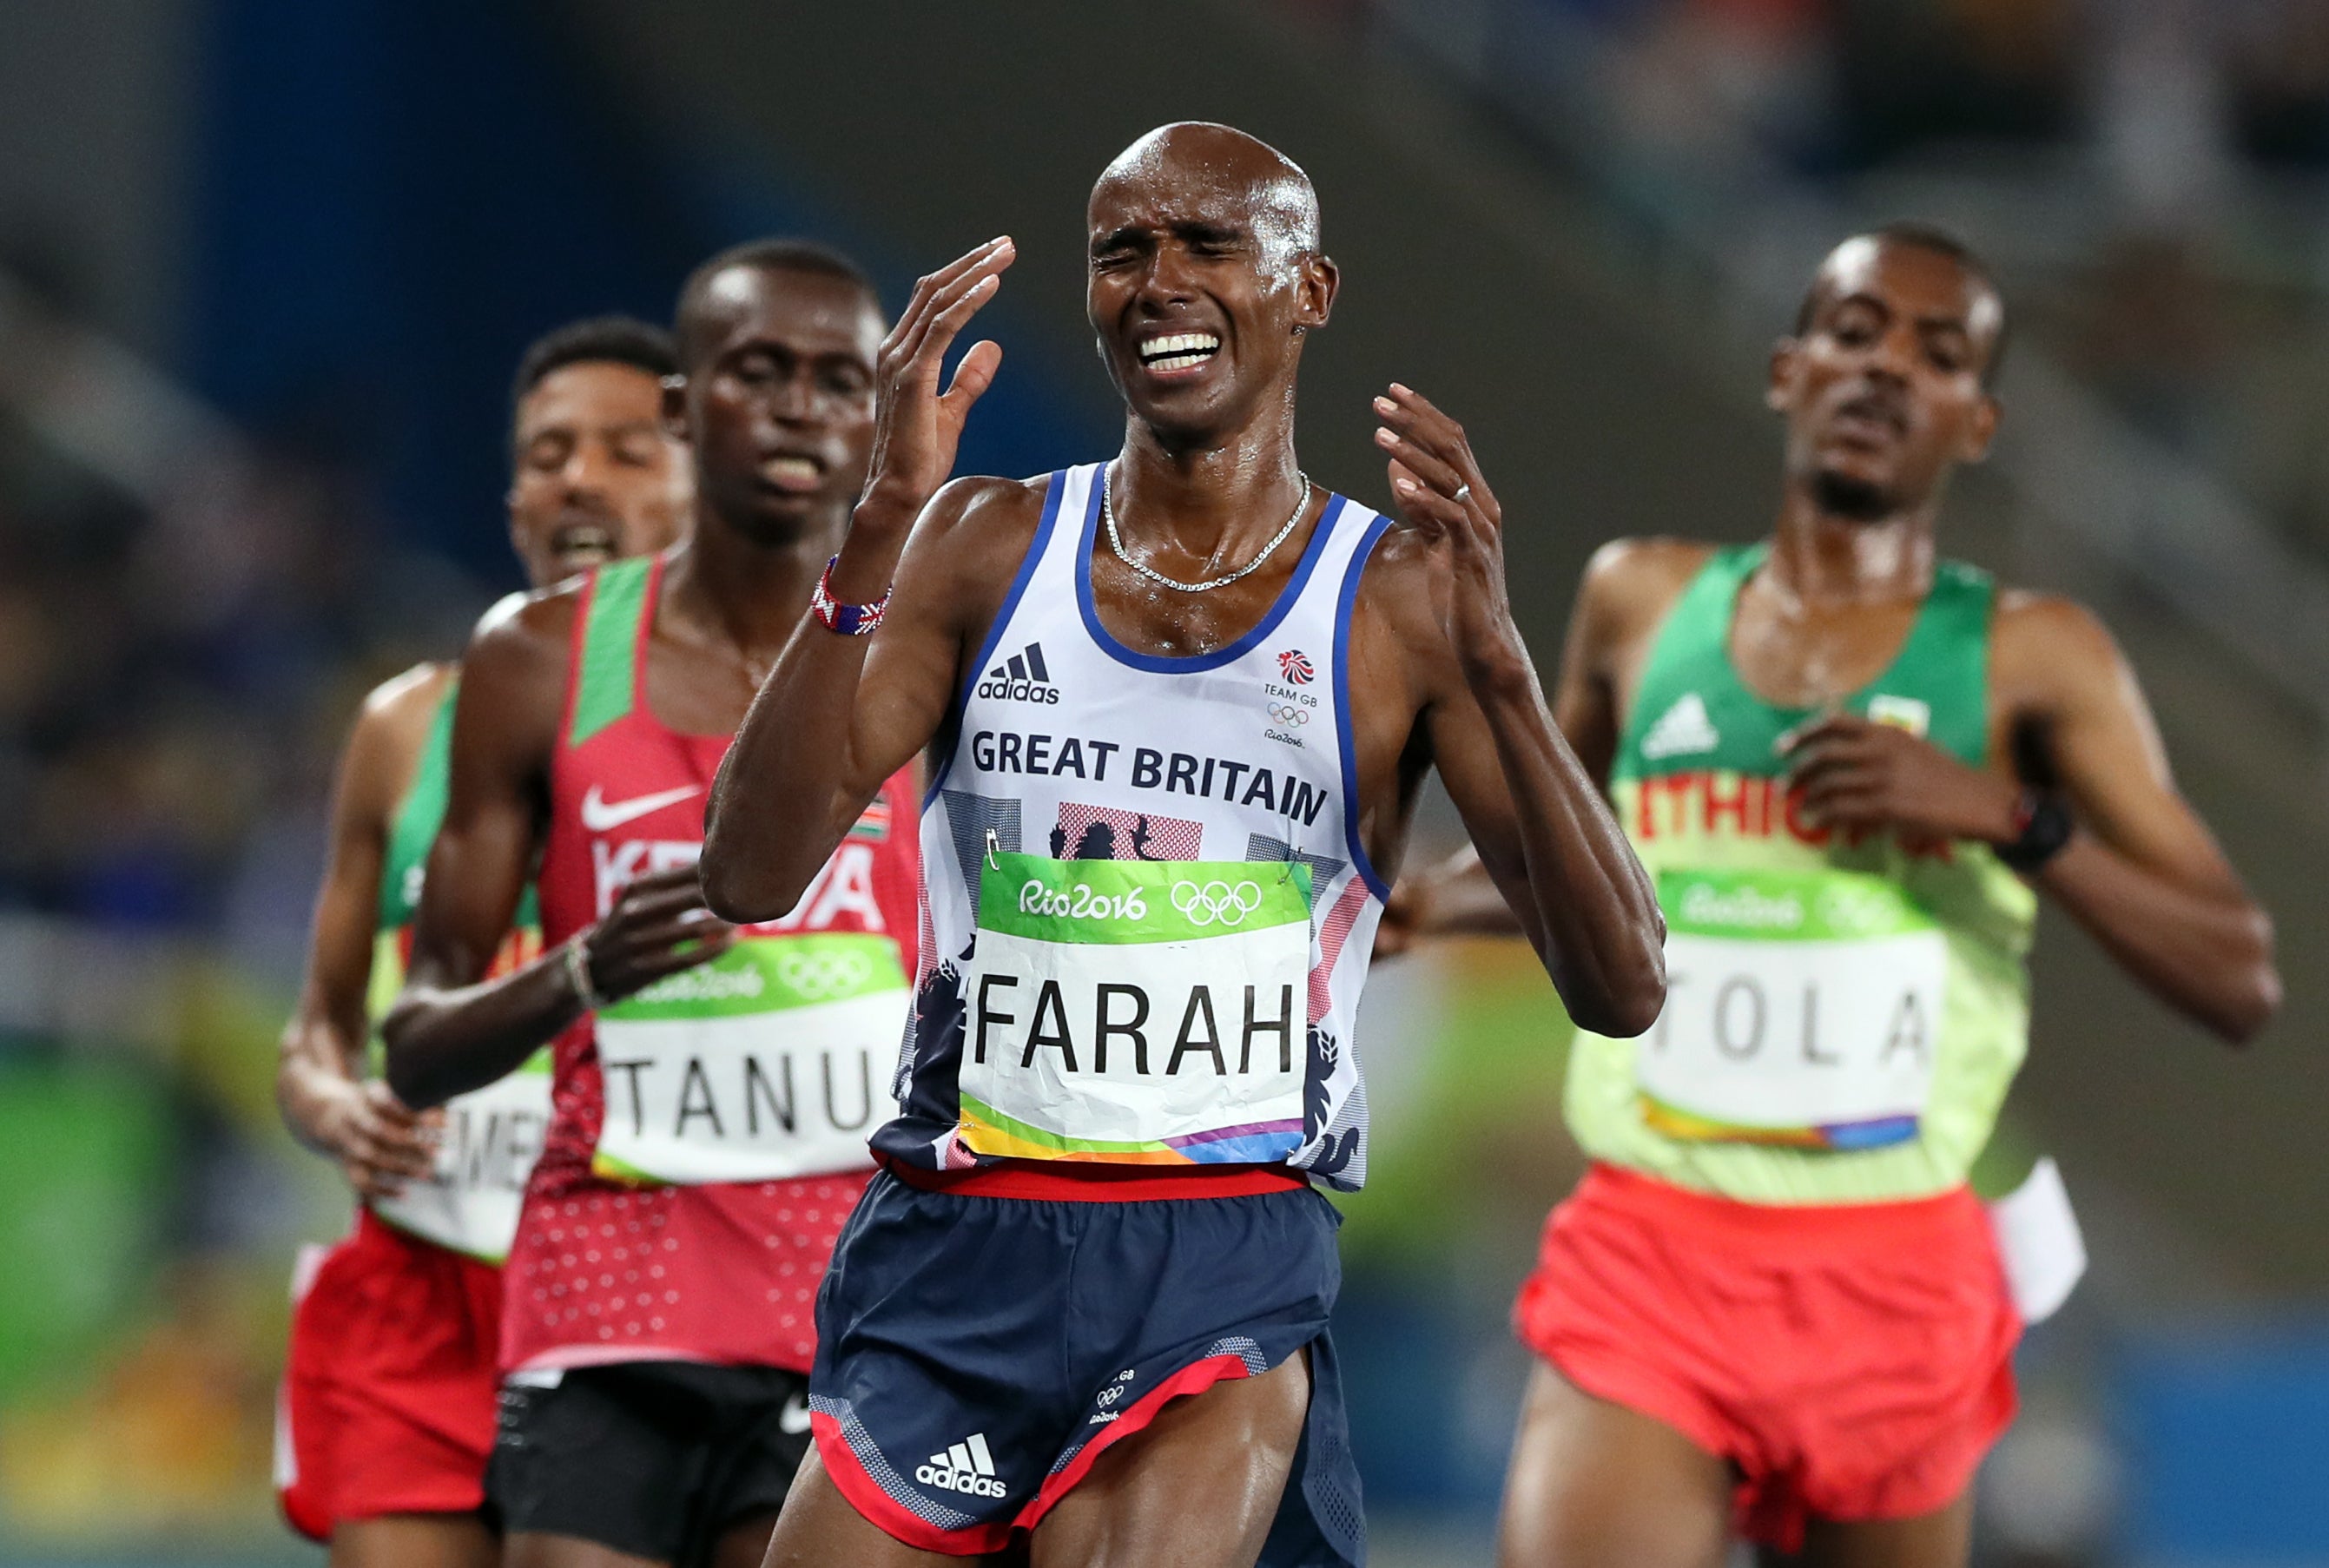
x=602, y=816
x=794, y=1417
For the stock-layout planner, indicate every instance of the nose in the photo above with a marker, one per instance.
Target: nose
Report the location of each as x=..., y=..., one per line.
x=1167, y=280
x=1893, y=355
x=793, y=401
x=586, y=468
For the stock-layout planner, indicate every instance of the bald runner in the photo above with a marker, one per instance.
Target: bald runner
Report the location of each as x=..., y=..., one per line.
x=1178, y=707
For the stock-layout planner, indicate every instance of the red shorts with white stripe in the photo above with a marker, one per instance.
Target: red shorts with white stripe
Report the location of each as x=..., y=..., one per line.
x=1852, y=1362
x=388, y=1404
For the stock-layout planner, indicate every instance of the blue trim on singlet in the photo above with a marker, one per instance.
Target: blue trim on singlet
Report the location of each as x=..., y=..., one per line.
x=949, y=733
x=1189, y=664
x=1344, y=602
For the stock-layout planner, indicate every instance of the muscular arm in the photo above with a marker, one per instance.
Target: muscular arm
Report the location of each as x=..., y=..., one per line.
x=319, y=1082
x=1625, y=596
x=452, y=1030
x=2143, y=875
x=1534, y=814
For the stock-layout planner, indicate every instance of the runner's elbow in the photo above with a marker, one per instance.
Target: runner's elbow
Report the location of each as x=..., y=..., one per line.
x=744, y=894
x=2256, y=996
x=1629, y=1004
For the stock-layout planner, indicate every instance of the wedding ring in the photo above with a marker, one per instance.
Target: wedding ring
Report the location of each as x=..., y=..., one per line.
x=1463, y=494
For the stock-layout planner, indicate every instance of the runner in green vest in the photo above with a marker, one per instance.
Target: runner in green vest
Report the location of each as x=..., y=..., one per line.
x=1773, y=1310
x=389, y=1384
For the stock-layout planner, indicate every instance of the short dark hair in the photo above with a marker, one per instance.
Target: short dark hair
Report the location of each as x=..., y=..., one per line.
x=1940, y=241
x=781, y=254
x=618, y=339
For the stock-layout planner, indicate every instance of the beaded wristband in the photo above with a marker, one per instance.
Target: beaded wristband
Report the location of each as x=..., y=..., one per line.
x=848, y=620
x=578, y=975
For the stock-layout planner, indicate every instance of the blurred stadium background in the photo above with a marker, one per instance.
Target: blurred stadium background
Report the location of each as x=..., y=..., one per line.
x=265, y=266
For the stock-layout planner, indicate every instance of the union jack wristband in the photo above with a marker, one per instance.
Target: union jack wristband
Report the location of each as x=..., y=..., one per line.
x=848, y=620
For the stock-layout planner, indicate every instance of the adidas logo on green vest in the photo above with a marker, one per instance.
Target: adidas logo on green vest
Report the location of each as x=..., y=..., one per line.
x=1681, y=731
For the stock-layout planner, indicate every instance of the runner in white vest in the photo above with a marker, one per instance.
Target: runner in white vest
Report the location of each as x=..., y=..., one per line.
x=1179, y=707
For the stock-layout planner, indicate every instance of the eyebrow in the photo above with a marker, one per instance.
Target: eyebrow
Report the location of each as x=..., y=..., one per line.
x=1193, y=229
x=1962, y=322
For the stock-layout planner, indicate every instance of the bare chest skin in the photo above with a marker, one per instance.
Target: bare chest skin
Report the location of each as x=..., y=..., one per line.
x=1150, y=618
x=1811, y=656
x=695, y=685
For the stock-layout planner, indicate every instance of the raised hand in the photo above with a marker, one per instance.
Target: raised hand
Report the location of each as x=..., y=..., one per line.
x=917, y=428
x=1437, y=486
x=1859, y=777
x=657, y=926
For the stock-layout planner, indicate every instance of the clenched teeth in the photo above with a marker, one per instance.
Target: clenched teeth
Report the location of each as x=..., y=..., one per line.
x=1179, y=351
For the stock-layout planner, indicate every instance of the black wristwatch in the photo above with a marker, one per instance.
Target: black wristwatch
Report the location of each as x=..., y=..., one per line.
x=2042, y=824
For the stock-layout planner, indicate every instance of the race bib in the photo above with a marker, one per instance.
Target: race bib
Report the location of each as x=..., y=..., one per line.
x=1801, y=1008
x=765, y=1064
x=1141, y=1011
x=491, y=1137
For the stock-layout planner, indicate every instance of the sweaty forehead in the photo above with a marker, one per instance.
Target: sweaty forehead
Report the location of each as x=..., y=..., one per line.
x=808, y=313
x=1914, y=280
x=1202, y=175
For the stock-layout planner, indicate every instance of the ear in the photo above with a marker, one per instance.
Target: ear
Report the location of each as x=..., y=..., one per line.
x=1982, y=431
x=674, y=408
x=1778, y=390
x=1320, y=281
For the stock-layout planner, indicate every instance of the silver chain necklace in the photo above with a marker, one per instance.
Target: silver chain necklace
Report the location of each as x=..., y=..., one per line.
x=1115, y=543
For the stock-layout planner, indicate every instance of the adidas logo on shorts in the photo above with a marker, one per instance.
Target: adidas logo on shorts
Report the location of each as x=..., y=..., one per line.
x=964, y=1467
x=1020, y=677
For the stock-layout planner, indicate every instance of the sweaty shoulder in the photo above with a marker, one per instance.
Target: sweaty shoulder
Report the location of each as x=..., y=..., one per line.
x=408, y=701
x=1630, y=583
x=514, y=676
x=968, y=544
x=523, y=630
x=1405, y=582
x=2046, y=650
x=979, y=512
x=390, y=731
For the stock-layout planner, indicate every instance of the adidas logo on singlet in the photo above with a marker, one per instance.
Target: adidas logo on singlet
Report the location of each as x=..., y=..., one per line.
x=1020, y=677
x=1682, y=729
x=964, y=1467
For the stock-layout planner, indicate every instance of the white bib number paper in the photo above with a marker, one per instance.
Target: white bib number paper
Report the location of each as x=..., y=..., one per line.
x=1800, y=1009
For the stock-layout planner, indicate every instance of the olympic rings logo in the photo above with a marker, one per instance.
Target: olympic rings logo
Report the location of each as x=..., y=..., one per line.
x=1287, y=713
x=823, y=974
x=1216, y=903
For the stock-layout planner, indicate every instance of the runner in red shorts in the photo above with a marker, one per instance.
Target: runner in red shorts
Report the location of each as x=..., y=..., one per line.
x=712, y=1101
x=1772, y=1308
x=388, y=1395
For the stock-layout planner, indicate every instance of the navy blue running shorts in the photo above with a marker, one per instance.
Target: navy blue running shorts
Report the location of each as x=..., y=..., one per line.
x=977, y=1354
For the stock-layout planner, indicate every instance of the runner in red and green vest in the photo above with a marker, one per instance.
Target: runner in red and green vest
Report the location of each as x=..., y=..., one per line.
x=714, y=1085
x=1773, y=1309
x=390, y=1383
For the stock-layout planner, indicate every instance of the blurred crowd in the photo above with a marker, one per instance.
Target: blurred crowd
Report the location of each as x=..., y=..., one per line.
x=1851, y=83
x=2147, y=173
x=2146, y=176
x=177, y=664
x=188, y=615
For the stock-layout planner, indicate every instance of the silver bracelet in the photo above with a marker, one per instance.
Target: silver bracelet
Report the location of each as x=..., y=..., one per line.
x=578, y=974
